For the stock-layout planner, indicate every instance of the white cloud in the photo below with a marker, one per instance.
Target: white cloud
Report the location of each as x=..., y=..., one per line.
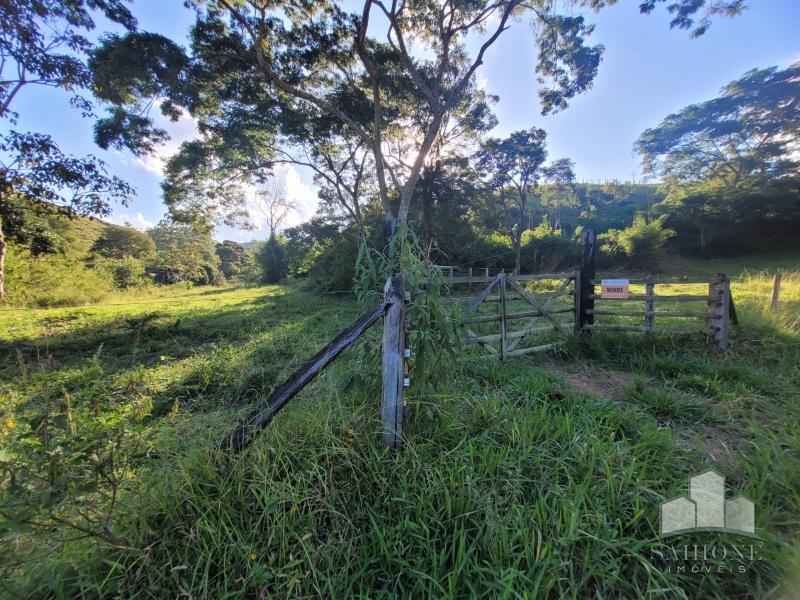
x=299, y=192
x=136, y=220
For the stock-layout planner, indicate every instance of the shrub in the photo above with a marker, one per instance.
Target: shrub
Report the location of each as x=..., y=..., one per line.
x=127, y=272
x=638, y=245
x=546, y=249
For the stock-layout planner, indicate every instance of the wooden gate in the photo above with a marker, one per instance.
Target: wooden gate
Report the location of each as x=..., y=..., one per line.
x=544, y=304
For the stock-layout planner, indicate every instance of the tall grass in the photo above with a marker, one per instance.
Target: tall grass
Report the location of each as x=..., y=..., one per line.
x=511, y=483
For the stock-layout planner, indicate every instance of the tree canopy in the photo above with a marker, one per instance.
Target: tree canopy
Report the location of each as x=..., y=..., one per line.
x=346, y=94
x=747, y=136
x=44, y=43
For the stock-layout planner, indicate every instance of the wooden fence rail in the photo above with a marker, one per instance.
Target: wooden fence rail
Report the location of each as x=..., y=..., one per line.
x=505, y=289
x=502, y=288
x=394, y=378
x=715, y=320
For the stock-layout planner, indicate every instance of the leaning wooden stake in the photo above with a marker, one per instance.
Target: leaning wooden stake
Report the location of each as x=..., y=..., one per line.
x=776, y=292
x=392, y=371
x=257, y=419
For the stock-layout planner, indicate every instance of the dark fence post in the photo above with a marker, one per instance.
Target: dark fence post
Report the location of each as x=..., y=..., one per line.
x=393, y=367
x=649, y=304
x=719, y=309
x=503, y=313
x=586, y=275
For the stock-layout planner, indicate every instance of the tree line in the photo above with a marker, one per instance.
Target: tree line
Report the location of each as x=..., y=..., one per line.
x=393, y=135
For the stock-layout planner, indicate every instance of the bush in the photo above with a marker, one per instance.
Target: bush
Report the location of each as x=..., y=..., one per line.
x=545, y=249
x=127, y=272
x=640, y=244
x=53, y=280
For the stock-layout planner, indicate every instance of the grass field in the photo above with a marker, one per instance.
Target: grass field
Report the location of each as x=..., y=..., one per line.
x=539, y=477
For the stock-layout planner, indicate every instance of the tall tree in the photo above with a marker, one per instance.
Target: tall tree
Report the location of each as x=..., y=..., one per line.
x=560, y=191
x=355, y=72
x=515, y=162
x=43, y=43
x=748, y=135
x=731, y=165
x=271, y=201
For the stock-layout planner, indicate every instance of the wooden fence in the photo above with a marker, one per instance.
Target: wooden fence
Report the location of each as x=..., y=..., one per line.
x=709, y=310
x=550, y=307
x=394, y=371
x=507, y=299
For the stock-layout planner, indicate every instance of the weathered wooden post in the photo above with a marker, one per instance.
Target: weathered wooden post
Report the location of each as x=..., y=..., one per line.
x=719, y=292
x=587, y=274
x=393, y=366
x=503, y=345
x=649, y=290
x=776, y=292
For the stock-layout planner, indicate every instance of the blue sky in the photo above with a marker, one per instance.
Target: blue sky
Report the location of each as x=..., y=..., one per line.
x=647, y=72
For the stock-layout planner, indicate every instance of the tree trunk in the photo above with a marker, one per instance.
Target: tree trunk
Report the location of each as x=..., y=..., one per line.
x=390, y=224
x=3, y=247
x=702, y=239
x=427, y=210
x=518, y=236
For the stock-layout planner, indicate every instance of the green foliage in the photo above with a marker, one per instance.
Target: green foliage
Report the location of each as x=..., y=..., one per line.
x=272, y=259
x=57, y=280
x=743, y=138
x=639, y=245
x=434, y=336
x=546, y=249
x=43, y=43
x=120, y=242
x=730, y=165
x=234, y=259
x=184, y=254
x=127, y=272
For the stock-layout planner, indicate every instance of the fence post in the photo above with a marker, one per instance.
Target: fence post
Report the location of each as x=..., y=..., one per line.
x=587, y=275
x=393, y=368
x=776, y=291
x=719, y=309
x=503, y=351
x=649, y=290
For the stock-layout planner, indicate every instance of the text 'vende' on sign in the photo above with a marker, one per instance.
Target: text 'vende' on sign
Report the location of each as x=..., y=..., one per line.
x=614, y=288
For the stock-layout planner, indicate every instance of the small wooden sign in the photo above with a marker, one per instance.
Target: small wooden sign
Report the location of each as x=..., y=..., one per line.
x=614, y=288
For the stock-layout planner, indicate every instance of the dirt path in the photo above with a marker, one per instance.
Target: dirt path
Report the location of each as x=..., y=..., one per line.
x=720, y=442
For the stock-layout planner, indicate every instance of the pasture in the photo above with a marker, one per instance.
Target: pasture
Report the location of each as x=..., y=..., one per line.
x=537, y=477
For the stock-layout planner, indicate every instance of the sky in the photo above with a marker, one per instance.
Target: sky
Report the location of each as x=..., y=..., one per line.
x=648, y=71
